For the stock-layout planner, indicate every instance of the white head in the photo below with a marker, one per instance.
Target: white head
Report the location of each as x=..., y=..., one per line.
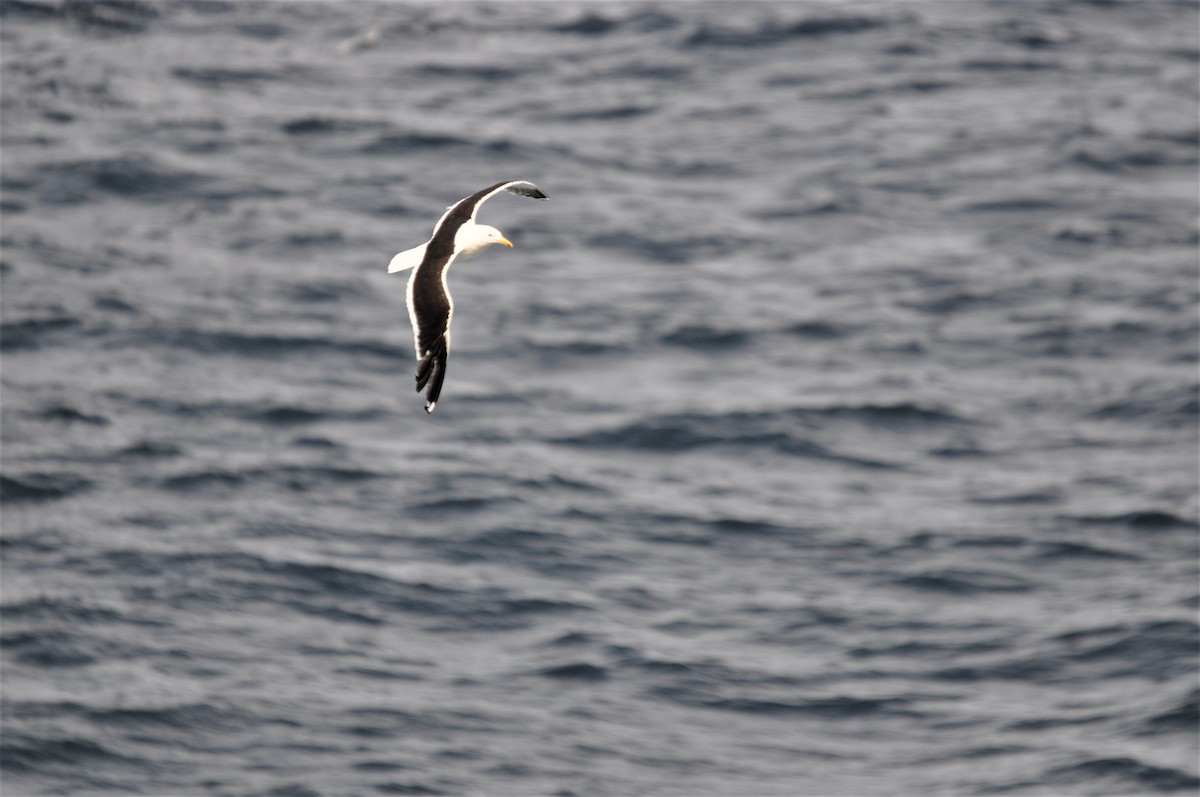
x=472, y=239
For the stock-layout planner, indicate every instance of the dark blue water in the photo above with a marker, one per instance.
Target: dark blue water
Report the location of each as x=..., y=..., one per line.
x=831, y=431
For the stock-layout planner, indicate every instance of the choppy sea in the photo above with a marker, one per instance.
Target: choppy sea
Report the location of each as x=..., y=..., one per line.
x=832, y=430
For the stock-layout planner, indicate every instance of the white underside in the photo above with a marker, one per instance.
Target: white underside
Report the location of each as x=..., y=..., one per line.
x=469, y=247
x=410, y=258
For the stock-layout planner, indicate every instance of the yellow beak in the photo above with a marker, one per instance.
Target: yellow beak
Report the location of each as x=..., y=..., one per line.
x=505, y=241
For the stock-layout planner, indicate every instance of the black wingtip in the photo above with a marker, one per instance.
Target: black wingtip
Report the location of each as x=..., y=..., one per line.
x=524, y=188
x=425, y=369
x=431, y=371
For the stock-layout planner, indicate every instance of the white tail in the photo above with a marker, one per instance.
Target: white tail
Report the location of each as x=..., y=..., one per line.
x=410, y=258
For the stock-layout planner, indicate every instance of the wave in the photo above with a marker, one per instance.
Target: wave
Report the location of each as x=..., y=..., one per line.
x=1102, y=341
x=30, y=754
x=1017, y=204
x=1010, y=65
x=461, y=504
x=558, y=350
x=1144, y=520
x=1151, y=151
x=133, y=177
x=406, y=143
x=963, y=582
x=957, y=301
x=1121, y=773
x=1182, y=717
x=1053, y=551
x=186, y=717
x=62, y=413
x=818, y=330
x=1157, y=648
x=46, y=610
x=829, y=708
x=593, y=23
x=677, y=529
x=687, y=433
x=781, y=432
x=294, y=477
x=548, y=553
x=777, y=431
x=669, y=251
x=66, y=649
x=897, y=416
x=409, y=787
x=107, y=16
x=292, y=415
x=42, y=541
x=41, y=486
x=1018, y=499
x=486, y=73
x=389, y=722
x=833, y=708
x=1169, y=406
x=325, y=125
x=254, y=345
x=576, y=671
x=612, y=113
x=224, y=77
x=379, y=674
x=706, y=338
x=774, y=32
x=327, y=590
x=922, y=650
x=149, y=449
x=29, y=334
x=1034, y=669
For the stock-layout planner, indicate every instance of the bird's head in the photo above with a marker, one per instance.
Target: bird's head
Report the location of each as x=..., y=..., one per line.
x=474, y=238
x=493, y=236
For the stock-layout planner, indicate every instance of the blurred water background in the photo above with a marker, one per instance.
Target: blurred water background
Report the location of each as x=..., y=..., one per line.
x=831, y=431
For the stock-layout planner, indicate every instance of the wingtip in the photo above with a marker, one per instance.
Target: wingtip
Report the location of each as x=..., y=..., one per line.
x=429, y=407
x=526, y=188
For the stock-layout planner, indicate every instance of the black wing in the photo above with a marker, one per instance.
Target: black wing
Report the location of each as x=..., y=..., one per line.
x=462, y=210
x=430, y=308
x=431, y=370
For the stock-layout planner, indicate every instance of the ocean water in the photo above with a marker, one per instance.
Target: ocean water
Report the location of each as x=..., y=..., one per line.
x=832, y=430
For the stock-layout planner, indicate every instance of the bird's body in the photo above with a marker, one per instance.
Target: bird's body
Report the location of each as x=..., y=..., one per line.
x=430, y=308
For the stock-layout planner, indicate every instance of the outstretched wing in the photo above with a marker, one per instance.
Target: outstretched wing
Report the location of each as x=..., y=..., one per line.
x=430, y=308
x=462, y=210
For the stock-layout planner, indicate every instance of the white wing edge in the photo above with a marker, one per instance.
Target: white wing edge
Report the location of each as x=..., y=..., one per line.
x=410, y=258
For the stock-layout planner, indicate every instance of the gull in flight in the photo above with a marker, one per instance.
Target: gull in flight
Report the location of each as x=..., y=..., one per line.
x=430, y=308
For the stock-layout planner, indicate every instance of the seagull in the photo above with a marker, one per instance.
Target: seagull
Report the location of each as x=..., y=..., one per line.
x=455, y=237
